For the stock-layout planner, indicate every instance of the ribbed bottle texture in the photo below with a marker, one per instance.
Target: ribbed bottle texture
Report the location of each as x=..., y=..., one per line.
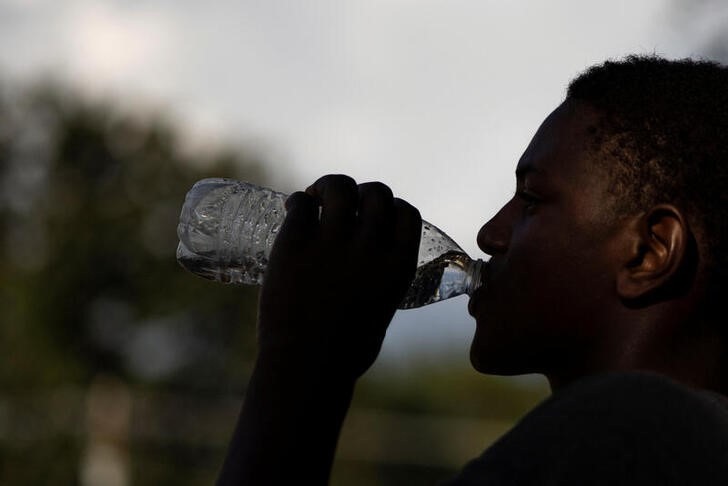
x=227, y=228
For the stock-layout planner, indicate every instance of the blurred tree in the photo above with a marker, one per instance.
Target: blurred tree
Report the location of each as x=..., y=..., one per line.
x=89, y=200
x=89, y=206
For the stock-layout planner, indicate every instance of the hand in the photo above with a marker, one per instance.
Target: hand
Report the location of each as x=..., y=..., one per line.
x=342, y=262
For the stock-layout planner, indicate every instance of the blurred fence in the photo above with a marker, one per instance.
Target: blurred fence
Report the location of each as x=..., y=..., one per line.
x=120, y=430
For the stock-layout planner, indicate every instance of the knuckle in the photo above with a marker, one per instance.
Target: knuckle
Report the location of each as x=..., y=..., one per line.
x=336, y=182
x=335, y=192
x=298, y=199
x=408, y=210
x=375, y=190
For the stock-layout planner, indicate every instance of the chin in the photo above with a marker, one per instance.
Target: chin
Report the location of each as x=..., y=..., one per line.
x=492, y=356
x=483, y=359
x=478, y=365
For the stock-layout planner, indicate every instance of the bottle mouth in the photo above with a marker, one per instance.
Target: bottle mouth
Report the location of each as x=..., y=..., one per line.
x=476, y=272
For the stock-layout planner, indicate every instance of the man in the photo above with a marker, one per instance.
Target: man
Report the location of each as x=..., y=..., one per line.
x=607, y=272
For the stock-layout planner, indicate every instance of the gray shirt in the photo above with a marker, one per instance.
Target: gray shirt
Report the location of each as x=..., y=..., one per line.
x=613, y=429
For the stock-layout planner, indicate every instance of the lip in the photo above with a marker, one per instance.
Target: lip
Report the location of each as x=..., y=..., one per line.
x=476, y=295
x=473, y=302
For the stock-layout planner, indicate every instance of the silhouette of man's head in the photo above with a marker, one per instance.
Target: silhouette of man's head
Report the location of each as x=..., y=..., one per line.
x=664, y=125
x=615, y=238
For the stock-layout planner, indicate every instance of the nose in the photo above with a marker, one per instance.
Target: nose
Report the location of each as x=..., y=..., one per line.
x=495, y=235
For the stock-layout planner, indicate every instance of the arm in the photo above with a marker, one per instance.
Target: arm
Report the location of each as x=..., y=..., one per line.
x=333, y=283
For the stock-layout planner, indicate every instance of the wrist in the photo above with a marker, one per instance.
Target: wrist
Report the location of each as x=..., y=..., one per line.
x=291, y=410
x=297, y=368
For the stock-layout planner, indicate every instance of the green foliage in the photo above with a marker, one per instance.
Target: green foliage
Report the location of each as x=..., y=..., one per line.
x=55, y=462
x=91, y=196
x=450, y=389
x=89, y=200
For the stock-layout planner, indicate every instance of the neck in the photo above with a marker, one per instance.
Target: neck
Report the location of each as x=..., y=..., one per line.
x=694, y=355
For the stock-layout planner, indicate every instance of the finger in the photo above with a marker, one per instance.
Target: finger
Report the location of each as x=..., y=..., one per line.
x=376, y=211
x=338, y=196
x=407, y=233
x=301, y=217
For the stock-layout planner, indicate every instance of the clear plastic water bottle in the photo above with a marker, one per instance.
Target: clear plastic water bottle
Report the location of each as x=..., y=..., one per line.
x=227, y=228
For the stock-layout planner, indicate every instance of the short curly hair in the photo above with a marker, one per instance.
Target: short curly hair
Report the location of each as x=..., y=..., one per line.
x=665, y=123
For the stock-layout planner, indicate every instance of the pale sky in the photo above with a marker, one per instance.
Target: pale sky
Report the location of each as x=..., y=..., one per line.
x=436, y=98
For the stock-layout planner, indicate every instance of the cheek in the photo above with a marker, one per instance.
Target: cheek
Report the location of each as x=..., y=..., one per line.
x=541, y=297
x=567, y=283
x=543, y=280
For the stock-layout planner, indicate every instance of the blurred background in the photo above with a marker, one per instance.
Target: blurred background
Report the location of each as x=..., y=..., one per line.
x=119, y=368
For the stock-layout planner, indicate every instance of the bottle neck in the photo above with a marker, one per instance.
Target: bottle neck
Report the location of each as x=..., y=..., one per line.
x=475, y=275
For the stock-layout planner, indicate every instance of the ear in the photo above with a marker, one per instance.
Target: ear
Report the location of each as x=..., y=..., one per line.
x=657, y=249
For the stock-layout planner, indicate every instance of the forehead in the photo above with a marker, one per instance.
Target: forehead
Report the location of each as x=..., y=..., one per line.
x=561, y=148
x=560, y=163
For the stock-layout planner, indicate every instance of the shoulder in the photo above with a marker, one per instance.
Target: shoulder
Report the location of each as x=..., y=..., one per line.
x=625, y=428
x=646, y=397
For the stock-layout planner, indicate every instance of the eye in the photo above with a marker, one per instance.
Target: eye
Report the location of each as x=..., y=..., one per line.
x=529, y=199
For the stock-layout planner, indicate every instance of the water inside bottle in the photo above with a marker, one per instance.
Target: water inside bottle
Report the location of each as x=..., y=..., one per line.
x=247, y=270
x=439, y=279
